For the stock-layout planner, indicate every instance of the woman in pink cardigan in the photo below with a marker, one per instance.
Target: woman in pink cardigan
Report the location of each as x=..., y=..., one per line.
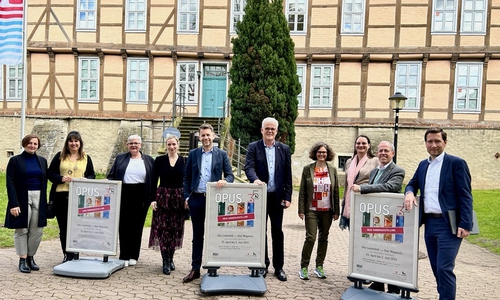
x=357, y=170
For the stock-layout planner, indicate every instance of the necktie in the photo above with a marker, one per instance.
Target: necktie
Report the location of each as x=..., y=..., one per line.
x=377, y=177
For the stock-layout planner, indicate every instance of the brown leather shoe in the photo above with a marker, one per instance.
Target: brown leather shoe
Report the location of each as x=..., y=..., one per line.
x=191, y=276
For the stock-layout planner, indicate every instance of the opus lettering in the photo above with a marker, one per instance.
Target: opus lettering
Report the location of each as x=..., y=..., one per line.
x=377, y=208
x=225, y=197
x=87, y=191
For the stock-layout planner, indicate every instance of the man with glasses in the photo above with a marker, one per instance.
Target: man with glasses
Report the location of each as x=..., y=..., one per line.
x=269, y=162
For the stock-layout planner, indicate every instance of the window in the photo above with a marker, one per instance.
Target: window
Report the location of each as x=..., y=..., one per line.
x=342, y=159
x=321, y=86
x=135, y=15
x=137, y=80
x=85, y=15
x=15, y=82
x=301, y=73
x=88, y=79
x=408, y=83
x=188, y=16
x=186, y=82
x=474, y=17
x=353, y=17
x=468, y=81
x=296, y=12
x=237, y=12
x=444, y=16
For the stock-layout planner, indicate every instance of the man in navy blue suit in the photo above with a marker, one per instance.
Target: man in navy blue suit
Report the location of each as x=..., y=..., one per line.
x=444, y=182
x=204, y=164
x=269, y=162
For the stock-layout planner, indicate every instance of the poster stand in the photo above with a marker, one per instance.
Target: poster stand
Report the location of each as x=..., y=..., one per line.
x=383, y=246
x=235, y=236
x=93, y=216
x=253, y=284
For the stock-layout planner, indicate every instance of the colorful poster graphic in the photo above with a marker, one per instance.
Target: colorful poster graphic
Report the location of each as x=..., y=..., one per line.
x=235, y=225
x=93, y=215
x=383, y=240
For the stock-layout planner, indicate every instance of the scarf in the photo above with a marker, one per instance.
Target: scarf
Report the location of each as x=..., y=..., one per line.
x=352, y=172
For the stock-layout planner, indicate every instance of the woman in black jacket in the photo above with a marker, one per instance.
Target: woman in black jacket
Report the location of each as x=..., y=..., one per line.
x=27, y=194
x=71, y=162
x=135, y=170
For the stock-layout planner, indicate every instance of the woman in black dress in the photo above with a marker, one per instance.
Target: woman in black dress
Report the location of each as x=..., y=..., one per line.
x=167, y=227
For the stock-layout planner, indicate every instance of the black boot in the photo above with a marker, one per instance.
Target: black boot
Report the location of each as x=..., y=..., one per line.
x=23, y=266
x=32, y=264
x=166, y=262
x=172, y=265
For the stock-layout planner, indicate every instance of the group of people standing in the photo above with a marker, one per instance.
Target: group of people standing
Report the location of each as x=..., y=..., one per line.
x=28, y=175
x=443, y=180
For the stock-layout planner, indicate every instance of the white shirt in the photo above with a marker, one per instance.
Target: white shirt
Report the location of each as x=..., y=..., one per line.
x=135, y=172
x=431, y=188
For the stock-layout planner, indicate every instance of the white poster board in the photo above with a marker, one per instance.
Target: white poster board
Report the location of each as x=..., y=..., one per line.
x=93, y=216
x=383, y=240
x=235, y=225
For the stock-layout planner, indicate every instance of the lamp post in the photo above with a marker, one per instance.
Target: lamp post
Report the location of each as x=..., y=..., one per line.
x=397, y=103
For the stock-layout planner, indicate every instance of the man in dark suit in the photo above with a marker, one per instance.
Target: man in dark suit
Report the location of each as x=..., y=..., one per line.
x=444, y=182
x=205, y=164
x=269, y=162
x=387, y=177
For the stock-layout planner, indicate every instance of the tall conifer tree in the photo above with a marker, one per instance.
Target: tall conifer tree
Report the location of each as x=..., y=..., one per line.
x=264, y=81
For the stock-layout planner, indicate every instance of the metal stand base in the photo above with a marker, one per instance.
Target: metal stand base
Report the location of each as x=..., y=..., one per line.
x=252, y=284
x=89, y=267
x=353, y=293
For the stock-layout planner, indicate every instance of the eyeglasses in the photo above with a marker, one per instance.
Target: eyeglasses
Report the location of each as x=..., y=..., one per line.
x=133, y=144
x=270, y=129
x=322, y=152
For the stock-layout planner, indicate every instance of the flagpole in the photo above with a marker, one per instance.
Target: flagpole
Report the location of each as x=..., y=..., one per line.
x=25, y=75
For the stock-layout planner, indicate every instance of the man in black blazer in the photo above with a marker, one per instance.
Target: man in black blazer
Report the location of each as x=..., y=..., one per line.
x=205, y=164
x=386, y=178
x=269, y=162
x=444, y=182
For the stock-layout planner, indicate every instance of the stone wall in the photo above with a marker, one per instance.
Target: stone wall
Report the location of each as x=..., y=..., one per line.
x=103, y=139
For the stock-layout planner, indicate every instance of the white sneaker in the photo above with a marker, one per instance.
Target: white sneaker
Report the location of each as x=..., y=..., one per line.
x=132, y=262
x=126, y=263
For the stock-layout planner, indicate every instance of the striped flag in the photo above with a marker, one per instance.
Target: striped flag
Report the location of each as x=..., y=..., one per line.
x=11, y=32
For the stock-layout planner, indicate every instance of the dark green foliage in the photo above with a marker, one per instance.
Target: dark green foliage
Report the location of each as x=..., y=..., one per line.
x=264, y=81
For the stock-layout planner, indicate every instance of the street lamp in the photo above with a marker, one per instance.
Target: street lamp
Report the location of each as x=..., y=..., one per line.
x=397, y=103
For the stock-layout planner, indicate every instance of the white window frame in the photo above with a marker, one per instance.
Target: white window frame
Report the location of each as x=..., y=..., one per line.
x=137, y=80
x=408, y=82
x=187, y=82
x=353, y=12
x=295, y=9
x=442, y=14
x=16, y=81
x=135, y=13
x=325, y=88
x=86, y=15
x=465, y=84
x=88, y=77
x=474, y=17
x=188, y=10
x=237, y=13
x=301, y=73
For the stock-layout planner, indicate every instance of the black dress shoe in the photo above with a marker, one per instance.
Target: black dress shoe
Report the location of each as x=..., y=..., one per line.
x=263, y=272
x=32, y=264
x=377, y=286
x=23, y=266
x=191, y=276
x=393, y=289
x=280, y=275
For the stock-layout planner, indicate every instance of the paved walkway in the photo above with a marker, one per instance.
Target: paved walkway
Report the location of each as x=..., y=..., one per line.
x=477, y=271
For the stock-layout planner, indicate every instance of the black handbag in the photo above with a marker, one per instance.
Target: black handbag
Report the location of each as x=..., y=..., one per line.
x=51, y=210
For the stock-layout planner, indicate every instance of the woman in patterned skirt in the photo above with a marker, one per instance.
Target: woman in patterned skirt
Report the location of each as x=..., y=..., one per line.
x=167, y=227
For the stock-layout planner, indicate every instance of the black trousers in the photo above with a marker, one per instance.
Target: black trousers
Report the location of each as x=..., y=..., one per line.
x=133, y=211
x=275, y=214
x=61, y=208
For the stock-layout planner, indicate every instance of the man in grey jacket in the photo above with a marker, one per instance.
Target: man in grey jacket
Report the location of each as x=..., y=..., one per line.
x=387, y=177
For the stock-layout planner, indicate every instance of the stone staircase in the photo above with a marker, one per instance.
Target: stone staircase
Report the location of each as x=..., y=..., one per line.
x=191, y=124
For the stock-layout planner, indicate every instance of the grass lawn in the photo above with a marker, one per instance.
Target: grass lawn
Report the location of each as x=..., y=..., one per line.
x=485, y=204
